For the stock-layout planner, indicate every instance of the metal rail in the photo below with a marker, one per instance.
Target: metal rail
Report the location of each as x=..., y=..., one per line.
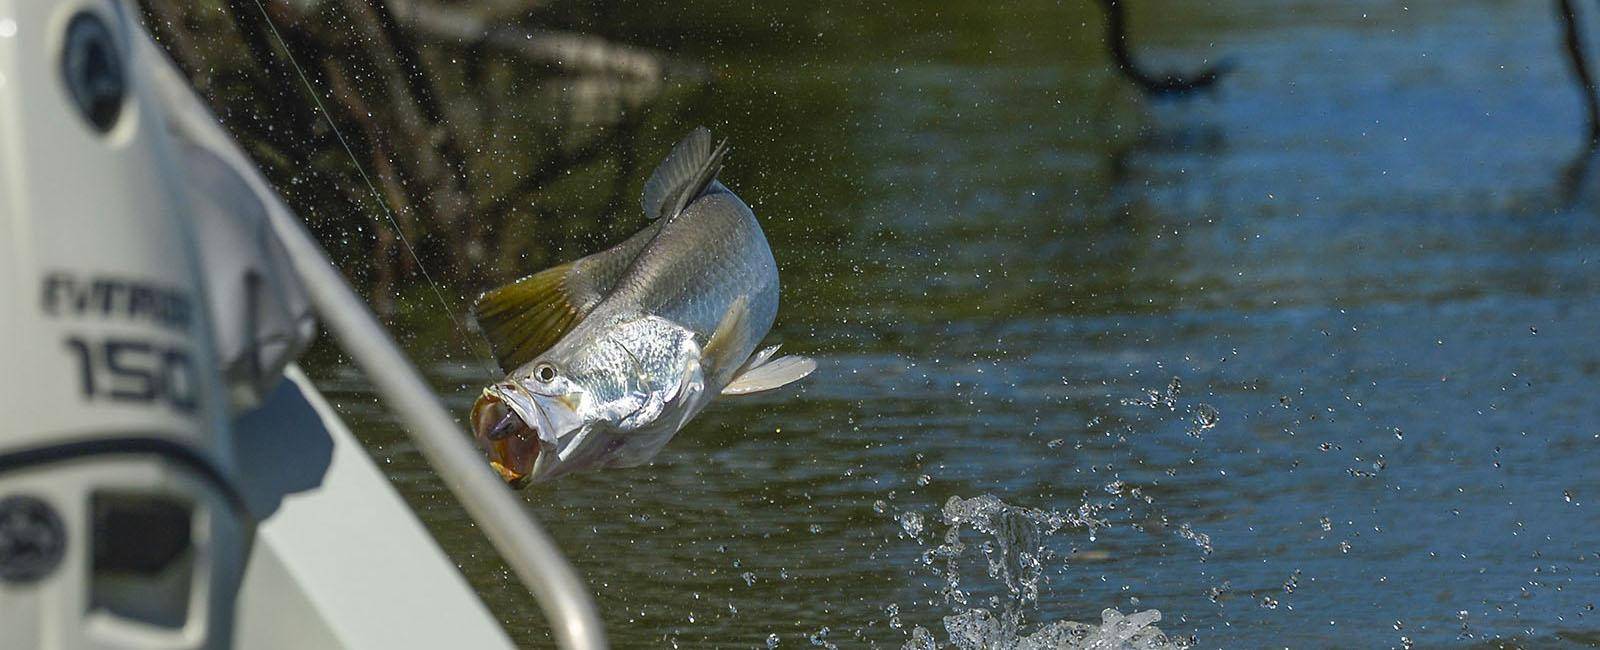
x=521, y=541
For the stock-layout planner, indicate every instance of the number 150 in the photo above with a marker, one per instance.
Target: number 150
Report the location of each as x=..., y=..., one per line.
x=126, y=370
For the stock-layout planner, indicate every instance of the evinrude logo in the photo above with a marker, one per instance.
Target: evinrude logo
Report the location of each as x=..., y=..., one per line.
x=113, y=297
x=127, y=369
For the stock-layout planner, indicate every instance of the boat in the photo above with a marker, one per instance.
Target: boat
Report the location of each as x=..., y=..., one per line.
x=169, y=478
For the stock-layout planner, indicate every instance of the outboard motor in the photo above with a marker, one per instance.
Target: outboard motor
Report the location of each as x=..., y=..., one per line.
x=121, y=524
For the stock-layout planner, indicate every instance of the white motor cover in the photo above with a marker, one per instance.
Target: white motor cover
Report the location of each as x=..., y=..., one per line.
x=260, y=315
x=116, y=437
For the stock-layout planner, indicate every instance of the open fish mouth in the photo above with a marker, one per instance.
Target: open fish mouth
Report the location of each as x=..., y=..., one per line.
x=511, y=445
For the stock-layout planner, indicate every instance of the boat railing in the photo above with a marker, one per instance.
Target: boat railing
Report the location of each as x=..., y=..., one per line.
x=513, y=531
x=523, y=544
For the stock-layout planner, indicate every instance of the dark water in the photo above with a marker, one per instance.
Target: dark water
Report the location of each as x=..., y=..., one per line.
x=1361, y=253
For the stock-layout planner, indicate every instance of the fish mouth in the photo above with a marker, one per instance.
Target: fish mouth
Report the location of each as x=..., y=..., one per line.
x=510, y=443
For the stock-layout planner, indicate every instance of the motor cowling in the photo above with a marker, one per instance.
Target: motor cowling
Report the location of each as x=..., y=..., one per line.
x=120, y=519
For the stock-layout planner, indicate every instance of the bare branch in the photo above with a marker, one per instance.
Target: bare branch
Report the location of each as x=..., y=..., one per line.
x=563, y=51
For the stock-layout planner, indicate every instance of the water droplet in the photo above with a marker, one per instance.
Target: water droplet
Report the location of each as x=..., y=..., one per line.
x=1292, y=583
x=1200, y=539
x=911, y=522
x=1217, y=593
x=1206, y=416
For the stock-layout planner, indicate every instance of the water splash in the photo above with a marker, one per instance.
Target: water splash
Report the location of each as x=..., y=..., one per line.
x=1158, y=398
x=1012, y=542
x=1014, y=551
x=1115, y=632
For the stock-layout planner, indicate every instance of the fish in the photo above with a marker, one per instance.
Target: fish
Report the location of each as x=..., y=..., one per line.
x=611, y=355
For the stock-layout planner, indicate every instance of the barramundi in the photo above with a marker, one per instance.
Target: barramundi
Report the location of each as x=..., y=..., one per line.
x=610, y=355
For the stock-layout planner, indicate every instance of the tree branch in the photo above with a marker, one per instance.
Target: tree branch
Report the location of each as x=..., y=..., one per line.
x=565, y=52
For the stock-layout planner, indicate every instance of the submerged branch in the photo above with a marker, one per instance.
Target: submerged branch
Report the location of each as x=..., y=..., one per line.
x=553, y=166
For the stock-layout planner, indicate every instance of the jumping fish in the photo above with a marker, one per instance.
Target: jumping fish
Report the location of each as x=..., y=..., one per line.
x=610, y=355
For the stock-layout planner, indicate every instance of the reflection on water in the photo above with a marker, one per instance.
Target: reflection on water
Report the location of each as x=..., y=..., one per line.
x=1355, y=256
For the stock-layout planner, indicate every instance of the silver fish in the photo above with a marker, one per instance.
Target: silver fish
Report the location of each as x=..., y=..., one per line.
x=611, y=355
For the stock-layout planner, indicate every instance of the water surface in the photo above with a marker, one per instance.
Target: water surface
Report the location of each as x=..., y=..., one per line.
x=1360, y=257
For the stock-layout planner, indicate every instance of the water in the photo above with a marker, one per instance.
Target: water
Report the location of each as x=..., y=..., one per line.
x=1012, y=542
x=1316, y=355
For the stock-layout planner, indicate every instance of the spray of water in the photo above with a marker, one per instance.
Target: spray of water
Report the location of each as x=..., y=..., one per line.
x=1011, y=542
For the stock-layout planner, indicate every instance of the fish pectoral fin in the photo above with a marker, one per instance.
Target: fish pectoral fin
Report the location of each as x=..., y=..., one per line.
x=524, y=318
x=683, y=175
x=527, y=317
x=758, y=358
x=776, y=373
x=722, y=351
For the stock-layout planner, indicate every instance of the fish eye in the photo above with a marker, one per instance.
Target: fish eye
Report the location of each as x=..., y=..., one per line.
x=544, y=372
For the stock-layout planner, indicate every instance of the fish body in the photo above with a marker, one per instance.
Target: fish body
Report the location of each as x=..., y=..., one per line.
x=609, y=356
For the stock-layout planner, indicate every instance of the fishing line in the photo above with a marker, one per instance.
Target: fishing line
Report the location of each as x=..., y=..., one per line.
x=400, y=234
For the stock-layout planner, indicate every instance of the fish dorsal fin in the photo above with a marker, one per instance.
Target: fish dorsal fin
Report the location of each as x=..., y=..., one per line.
x=683, y=175
x=764, y=375
x=527, y=317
